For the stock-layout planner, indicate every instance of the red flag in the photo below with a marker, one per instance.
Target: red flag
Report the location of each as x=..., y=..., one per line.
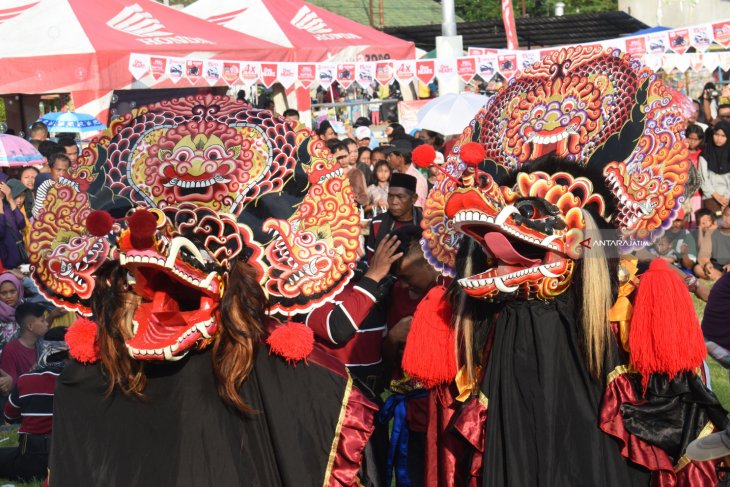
x=722, y=33
x=425, y=71
x=466, y=68
x=306, y=74
x=508, y=17
x=269, y=73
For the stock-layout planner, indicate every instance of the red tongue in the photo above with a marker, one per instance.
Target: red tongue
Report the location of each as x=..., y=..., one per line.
x=500, y=247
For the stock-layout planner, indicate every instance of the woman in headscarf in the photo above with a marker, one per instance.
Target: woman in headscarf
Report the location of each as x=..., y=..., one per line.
x=11, y=295
x=715, y=169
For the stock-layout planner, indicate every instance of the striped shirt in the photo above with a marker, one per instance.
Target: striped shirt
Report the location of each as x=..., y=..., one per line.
x=31, y=401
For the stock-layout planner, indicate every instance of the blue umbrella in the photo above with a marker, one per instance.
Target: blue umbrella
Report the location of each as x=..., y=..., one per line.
x=71, y=122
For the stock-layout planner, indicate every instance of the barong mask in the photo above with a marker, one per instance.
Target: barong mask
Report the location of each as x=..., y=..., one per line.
x=177, y=192
x=601, y=113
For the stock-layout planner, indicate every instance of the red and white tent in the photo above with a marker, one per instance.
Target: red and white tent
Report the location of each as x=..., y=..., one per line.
x=83, y=46
x=314, y=34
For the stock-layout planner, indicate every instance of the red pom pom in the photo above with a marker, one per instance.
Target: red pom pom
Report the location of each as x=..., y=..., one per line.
x=423, y=155
x=293, y=341
x=142, y=226
x=664, y=338
x=81, y=341
x=430, y=356
x=99, y=223
x=472, y=154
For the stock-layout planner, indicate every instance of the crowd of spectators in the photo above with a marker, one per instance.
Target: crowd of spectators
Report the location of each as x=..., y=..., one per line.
x=27, y=376
x=366, y=325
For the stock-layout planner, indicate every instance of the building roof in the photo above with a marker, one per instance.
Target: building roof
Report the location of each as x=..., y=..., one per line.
x=396, y=13
x=531, y=32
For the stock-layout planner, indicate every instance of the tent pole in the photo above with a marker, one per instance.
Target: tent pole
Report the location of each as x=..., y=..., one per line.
x=23, y=122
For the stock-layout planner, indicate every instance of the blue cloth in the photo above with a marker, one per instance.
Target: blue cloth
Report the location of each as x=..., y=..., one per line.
x=395, y=409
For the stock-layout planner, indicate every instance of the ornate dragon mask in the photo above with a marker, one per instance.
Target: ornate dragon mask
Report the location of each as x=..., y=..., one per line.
x=186, y=188
x=618, y=131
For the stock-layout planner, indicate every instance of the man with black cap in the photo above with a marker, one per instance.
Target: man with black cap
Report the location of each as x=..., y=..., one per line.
x=401, y=211
x=399, y=160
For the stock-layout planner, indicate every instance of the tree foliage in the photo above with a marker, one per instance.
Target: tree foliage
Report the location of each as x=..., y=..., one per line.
x=472, y=10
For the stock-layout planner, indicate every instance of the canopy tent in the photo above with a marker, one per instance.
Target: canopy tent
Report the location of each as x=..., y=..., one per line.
x=312, y=33
x=83, y=47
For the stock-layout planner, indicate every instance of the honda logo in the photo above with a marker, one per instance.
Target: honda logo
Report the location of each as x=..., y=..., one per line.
x=306, y=19
x=135, y=21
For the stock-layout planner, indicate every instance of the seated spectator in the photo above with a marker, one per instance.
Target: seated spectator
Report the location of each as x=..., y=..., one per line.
x=682, y=243
x=706, y=224
x=662, y=249
x=715, y=168
x=714, y=259
x=12, y=222
x=31, y=404
x=378, y=192
x=21, y=354
x=401, y=211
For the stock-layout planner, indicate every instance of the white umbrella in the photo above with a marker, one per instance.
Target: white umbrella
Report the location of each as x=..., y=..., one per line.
x=450, y=114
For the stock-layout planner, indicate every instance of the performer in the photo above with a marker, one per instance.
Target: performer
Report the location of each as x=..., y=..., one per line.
x=176, y=231
x=584, y=138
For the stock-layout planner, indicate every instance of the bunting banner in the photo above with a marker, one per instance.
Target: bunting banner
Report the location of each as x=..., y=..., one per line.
x=688, y=48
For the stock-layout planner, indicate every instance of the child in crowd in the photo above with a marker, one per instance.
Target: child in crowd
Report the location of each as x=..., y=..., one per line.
x=378, y=192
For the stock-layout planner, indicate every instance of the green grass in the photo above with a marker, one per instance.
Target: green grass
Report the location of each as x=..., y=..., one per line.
x=719, y=380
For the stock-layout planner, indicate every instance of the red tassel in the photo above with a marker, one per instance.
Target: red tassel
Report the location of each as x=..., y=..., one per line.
x=423, y=155
x=293, y=341
x=472, y=154
x=665, y=335
x=142, y=227
x=81, y=341
x=429, y=356
x=99, y=223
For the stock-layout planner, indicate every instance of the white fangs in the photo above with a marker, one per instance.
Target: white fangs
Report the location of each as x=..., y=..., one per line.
x=463, y=218
x=504, y=214
x=197, y=184
x=180, y=243
x=503, y=287
x=548, y=240
x=334, y=174
x=169, y=350
x=500, y=281
x=547, y=273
